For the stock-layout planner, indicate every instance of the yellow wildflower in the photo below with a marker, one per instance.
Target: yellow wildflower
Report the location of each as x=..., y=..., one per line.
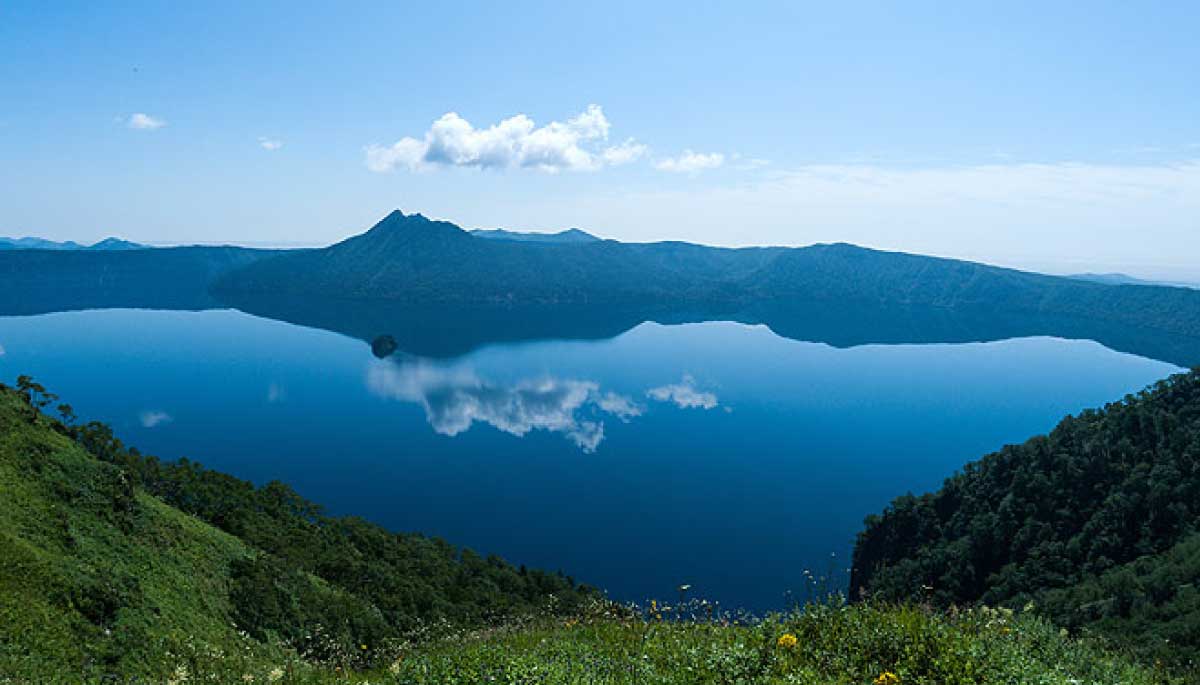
x=887, y=678
x=275, y=675
x=786, y=641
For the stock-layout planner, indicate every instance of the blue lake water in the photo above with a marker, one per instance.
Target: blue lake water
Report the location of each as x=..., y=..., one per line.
x=716, y=454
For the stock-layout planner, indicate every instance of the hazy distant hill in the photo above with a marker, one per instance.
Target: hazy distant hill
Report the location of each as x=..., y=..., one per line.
x=35, y=281
x=571, y=235
x=43, y=244
x=413, y=259
x=1125, y=279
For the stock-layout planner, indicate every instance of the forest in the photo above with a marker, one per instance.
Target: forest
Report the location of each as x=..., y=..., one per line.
x=1096, y=524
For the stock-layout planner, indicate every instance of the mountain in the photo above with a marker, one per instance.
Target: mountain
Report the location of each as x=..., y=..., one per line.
x=1125, y=279
x=42, y=244
x=571, y=235
x=117, y=244
x=1097, y=523
x=118, y=567
x=36, y=281
x=411, y=259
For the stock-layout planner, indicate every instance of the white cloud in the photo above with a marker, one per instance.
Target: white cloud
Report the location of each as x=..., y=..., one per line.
x=690, y=162
x=517, y=142
x=684, y=394
x=629, y=151
x=153, y=418
x=144, y=122
x=269, y=144
x=455, y=398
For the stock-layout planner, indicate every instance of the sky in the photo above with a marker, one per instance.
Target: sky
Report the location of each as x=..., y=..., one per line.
x=1057, y=136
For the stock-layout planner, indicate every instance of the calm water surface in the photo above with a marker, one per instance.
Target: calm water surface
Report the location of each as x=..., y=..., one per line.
x=715, y=454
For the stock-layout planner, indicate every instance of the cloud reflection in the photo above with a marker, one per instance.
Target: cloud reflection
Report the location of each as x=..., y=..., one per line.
x=454, y=398
x=684, y=394
x=154, y=418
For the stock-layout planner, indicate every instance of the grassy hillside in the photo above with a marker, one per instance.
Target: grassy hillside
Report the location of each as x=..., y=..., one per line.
x=1097, y=522
x=95, y=575
x=98, y=574
x=103, y=582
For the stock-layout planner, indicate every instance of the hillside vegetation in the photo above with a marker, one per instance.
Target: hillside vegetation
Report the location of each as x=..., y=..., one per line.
x=1098, y=523
x=112, y=562
x=117, y=567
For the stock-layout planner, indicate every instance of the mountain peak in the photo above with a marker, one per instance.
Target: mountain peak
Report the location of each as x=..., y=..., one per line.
x=397, y=219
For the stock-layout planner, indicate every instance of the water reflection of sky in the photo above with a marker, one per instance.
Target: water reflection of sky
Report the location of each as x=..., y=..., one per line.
x=455, y=397
x=722, y=455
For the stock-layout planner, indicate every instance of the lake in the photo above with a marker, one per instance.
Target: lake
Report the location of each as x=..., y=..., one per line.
x=633, y=456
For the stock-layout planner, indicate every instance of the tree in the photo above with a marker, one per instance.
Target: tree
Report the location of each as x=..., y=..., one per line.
x=67, y=412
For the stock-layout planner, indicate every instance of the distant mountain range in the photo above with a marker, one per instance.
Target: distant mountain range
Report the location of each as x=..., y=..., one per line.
x=571, y=282
x=571, y=235
x=1125, y=279
x=108, y=244
x=412, y=259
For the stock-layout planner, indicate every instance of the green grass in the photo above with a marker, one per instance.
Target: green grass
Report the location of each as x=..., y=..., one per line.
x=94, y=575
x=835, y=644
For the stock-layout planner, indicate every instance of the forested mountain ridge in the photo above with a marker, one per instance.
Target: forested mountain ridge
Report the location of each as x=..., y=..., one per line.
x=411, y=259
x=113, y=562
x=1097, y=522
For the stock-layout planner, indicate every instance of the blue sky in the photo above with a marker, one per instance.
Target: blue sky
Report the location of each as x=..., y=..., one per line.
x=1042, y=135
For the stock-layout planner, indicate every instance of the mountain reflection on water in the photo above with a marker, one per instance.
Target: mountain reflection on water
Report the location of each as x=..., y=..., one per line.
x=440, y=332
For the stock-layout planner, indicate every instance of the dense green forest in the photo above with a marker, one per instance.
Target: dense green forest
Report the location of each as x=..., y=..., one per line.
x=1097, y=524
x=116, y=567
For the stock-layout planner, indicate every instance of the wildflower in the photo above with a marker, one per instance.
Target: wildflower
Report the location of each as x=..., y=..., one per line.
x=887, y=678
x=180, y=677
x=275, y=675
x=247, y=678
x=394, y=669
x=364, y=647
x=786, y=641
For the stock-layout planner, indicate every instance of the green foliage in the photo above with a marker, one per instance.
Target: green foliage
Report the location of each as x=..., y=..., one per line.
x=1097, y=522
